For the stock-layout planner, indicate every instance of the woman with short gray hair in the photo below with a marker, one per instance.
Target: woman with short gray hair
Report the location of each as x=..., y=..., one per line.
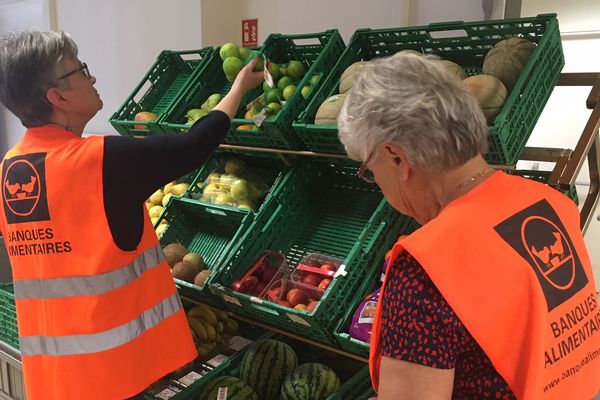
x=464, y=311
x=25, y=94
x=98, y=312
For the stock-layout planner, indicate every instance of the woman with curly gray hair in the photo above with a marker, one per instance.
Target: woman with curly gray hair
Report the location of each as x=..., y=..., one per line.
x=473, y=300
x=98, y=312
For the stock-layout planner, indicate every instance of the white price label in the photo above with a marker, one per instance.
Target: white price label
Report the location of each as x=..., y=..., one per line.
x=166, y=394
x=190, y=378
x=237, y=343
x=298, y=319
x=222, y=393
x=232, y=300
x=217, y=360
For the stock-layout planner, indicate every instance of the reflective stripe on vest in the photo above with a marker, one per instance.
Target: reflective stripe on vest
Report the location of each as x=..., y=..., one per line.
x=97, y=342
x=89, y=285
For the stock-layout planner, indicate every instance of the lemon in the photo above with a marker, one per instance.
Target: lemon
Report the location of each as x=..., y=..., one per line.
x=305, y=91
x=273, y=108
x=275, y=71
x=274, y=96
x=232, y=66
x=289, y=91
x=260, y=65
x=296, y=69
x=284, y=81
x=229, y=50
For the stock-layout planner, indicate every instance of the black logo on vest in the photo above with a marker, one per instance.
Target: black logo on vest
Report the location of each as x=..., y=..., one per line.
x=24, y=189
x=538, y=235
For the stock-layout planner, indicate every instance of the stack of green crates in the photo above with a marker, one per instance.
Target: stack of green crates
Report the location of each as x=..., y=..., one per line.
x=511, y=128
x=226, y=368
x=9, y=333
x=158, y=90
x=317, y=51
x=324, y=208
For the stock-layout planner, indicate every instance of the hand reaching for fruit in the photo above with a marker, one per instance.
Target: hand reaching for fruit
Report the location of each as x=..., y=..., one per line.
x=246, y=80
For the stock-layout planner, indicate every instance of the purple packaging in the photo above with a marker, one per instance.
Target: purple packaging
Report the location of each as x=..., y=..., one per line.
x=362, y=321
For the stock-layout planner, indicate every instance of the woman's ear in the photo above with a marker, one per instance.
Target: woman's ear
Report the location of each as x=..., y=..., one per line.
x=396, y=158
x=55, y=97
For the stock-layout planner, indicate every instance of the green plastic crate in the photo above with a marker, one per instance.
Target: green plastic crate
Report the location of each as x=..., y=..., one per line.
x=356, y=388
x=226, y=368
x=158, y=90
x=318, y=51
x=351, y=373
x=9, y=333
x=344, y=340
x=511, y=128
x=272, y=170
x=543, y=176
x=208, y=80
x=211, y=231
x=187, y=178
x=324, y=208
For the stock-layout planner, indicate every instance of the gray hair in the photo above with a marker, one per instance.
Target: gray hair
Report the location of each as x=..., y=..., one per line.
x=27, y=70
x=409, y=100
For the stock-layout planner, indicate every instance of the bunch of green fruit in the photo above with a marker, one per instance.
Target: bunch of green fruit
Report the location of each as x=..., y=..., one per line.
x=286, y=78
x=236, y=186
x=235, y=57
x=195, y=114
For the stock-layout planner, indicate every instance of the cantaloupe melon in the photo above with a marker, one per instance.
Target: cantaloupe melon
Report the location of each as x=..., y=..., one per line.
x=453, y=68
x=489, y=92
x=328, y=111
x=348, y=75
x=507, y=59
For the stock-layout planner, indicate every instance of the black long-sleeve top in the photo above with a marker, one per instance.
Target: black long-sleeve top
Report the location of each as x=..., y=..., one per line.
x=134, y=168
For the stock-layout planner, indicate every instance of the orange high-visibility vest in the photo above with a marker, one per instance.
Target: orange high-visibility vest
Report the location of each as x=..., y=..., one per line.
x=510, y=259
x=95, y=322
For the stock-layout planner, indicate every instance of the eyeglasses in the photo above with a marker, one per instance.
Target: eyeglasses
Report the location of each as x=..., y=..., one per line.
x=364, y=172
x=83, y=68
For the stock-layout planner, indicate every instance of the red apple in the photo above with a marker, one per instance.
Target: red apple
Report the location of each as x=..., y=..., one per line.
x=297, y=296
x=325, y=283
x=311, y=279
x=144, y=116
x=329, y=267
x=300, y=306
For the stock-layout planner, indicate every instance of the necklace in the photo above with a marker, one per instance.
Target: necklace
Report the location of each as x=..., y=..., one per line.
x=476, y=176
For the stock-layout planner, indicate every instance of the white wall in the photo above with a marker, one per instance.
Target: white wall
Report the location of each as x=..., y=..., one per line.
x=574, y=16
x=120, y=40
x=222, y=19
x=16, y=16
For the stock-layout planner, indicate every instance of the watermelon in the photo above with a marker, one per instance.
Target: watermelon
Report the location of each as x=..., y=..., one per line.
x=265, y=366
x=236, y=389
x=312, y=381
